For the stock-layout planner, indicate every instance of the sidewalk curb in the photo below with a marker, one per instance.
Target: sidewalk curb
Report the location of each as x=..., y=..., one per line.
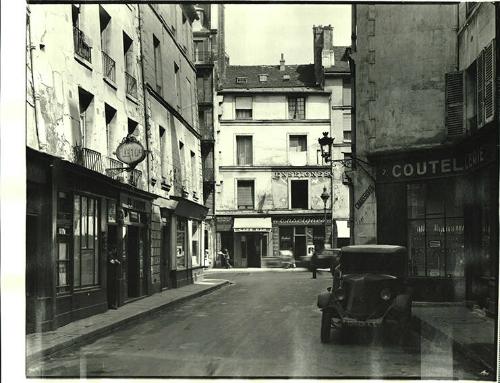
x=93, y=335
x=431, y=332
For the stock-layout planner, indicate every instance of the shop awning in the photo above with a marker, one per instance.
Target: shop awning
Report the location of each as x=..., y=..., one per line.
x=252, y=224
x=343, y=230
x=189, y=209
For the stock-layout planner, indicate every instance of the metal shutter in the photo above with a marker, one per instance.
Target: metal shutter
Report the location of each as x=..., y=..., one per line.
x=454, y=103
x=245, y=194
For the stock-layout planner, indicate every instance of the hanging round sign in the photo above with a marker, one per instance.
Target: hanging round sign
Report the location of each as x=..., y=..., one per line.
x=130, y=151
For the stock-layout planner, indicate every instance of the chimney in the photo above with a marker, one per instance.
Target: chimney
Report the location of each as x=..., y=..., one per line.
x=328, y=57
x=318, y=49
x=282, y=63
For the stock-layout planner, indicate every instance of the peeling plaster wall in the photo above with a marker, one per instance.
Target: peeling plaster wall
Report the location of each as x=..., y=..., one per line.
x=402, y=55
x=59, y=72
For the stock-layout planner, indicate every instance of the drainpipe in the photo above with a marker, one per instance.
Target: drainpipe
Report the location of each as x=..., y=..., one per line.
x=352, y=66
x=146, y=125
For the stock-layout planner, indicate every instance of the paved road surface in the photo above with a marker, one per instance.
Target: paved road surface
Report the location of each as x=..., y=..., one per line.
x=264, y=325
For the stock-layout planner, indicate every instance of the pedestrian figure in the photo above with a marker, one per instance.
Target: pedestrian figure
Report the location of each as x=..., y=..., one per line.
x=314, y=263
x=227, y=262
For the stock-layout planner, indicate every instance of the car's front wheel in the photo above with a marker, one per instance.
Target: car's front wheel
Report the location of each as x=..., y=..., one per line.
x=326, y=326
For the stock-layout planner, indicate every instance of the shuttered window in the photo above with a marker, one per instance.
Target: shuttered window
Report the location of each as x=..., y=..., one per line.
x=243, y=106
x=486, y=85
x=244, y=152
x=489, y=83
x=480, y=91
x=454, y=104
x=245, y=195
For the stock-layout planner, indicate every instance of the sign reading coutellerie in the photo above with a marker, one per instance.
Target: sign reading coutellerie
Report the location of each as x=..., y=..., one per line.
x=130, y=151
x=431, y=167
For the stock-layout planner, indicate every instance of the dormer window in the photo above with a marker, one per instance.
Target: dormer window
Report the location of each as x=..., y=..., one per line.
x=241, y=80
x=286, y=77
x=262, y=77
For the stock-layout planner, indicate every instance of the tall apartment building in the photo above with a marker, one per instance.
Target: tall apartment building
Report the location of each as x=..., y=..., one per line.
x=427, y=124
x=270, y=170
x=98, y=236
x=208, y=48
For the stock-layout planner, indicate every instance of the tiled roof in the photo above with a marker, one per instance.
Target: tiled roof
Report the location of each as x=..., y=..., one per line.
x=299, y=76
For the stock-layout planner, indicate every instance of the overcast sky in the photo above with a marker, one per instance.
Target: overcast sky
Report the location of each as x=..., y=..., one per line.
x=259, y=33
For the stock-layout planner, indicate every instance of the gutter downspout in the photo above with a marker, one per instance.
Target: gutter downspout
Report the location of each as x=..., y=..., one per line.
x=352, y=66
x=146, y=124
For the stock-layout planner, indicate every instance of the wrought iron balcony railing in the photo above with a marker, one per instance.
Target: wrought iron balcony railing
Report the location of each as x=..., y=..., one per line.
x=135, y=178
x=82, y=48
x=108, y=67
x=88, y=158
x=113, y=170
x=131, y=85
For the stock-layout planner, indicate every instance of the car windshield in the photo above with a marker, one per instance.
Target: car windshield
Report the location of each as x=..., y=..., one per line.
x=352, y=263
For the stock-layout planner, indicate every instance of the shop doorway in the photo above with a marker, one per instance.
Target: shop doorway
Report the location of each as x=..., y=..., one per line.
x=300, y=248
x=226, y=241
x=135, y=263
x=113, y=267
x=32, y=247
x=165, y=256
x=254, y=247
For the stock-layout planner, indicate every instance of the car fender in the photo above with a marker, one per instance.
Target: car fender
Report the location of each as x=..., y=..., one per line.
x=324, y=299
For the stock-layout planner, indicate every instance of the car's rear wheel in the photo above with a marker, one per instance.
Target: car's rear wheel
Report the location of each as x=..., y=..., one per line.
x=326, y=326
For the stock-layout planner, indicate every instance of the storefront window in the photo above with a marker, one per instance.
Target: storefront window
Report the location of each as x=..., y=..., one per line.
x=436, y=229
x=286, y=238
x=195, y=247
x=86, y=248
x=181, y=243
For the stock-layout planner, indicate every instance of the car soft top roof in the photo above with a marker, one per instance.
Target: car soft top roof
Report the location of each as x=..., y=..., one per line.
x=374, y=249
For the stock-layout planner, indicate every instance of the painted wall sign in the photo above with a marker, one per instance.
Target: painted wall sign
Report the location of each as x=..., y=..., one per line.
x=364, y=196
x=301, y=221
x=130, y=151
x=442, y=164
x=301, y=174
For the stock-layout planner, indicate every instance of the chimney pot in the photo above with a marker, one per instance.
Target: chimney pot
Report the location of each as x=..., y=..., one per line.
x=282, y=63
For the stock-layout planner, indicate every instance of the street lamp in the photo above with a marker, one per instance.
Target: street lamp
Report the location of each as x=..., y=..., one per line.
x=324, y=197
x=326, y=143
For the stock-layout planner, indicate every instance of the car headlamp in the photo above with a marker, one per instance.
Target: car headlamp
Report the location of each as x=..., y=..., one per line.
x=339, y=294
x=385, y=294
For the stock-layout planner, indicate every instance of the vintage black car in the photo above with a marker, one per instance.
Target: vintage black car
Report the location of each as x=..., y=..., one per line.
x=369, y=290
x=326, y=259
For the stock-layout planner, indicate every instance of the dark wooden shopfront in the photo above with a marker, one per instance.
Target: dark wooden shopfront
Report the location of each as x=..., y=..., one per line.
x=443, y=206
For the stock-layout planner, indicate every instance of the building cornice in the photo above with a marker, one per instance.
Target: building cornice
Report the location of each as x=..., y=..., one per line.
x=291, y=90
x=275, y=122
x=265, y=168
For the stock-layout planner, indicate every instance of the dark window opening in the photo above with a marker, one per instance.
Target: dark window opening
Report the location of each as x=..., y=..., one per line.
x=132, y=127
x=299, y=194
